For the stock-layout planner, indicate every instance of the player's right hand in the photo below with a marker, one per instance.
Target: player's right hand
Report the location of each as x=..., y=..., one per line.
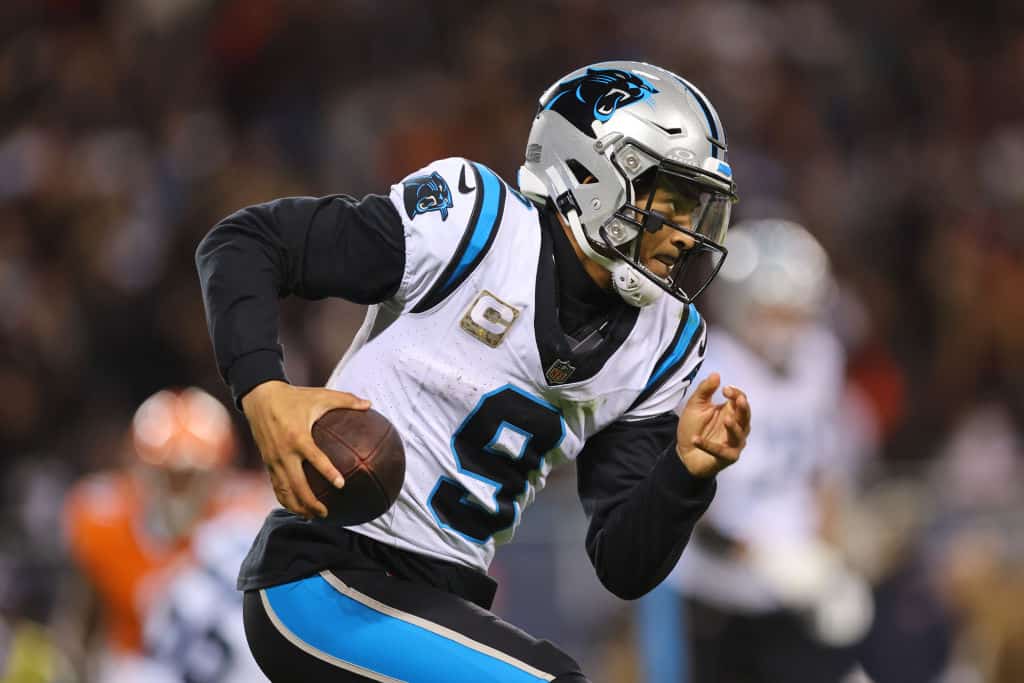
x=281, y=417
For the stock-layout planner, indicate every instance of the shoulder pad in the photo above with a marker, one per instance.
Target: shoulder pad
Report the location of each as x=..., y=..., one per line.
x=452, y=210
x=685, y=351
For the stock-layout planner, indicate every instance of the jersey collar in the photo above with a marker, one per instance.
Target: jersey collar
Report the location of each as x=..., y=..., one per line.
x=566, y=295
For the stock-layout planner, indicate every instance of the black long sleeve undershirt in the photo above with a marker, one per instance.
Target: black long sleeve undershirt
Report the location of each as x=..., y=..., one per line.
x=641, y=501
x=309, y=247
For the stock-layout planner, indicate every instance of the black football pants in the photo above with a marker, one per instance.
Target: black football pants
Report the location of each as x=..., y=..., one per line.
x=358, y=625
x=762, y=648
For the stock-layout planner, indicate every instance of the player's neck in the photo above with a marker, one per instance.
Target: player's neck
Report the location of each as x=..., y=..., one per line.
x=598, y=273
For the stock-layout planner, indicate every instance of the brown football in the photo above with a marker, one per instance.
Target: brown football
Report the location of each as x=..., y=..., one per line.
x=367, y=450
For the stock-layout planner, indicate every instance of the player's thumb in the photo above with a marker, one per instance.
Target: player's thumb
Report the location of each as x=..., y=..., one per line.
x=343, y=399
x=706, y=389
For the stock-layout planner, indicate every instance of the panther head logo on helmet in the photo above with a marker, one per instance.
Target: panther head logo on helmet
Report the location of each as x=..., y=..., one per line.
x=592, y=156
x=597, y=94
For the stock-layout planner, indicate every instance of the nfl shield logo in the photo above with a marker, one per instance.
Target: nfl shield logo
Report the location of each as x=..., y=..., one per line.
x=559, y=372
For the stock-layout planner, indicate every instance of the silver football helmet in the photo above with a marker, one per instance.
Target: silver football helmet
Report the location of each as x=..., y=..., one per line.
x=610, y=133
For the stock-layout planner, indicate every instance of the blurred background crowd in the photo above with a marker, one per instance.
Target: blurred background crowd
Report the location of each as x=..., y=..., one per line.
x=894, y=130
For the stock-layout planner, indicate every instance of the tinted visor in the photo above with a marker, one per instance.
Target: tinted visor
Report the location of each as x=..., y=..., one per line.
x=689, y=201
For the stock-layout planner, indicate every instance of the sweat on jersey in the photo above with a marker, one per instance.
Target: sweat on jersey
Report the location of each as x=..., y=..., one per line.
x=493, y=354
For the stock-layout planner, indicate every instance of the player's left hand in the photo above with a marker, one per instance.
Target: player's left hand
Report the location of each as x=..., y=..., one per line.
x=711, y=435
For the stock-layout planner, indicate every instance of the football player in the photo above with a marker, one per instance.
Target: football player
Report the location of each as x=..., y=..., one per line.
x=768, y=597
x=194, y=629
x=130, y=530
x=509, y=330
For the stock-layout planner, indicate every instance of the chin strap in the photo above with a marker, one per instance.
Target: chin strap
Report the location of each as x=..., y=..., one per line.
x=634, y=288
x=630, y=284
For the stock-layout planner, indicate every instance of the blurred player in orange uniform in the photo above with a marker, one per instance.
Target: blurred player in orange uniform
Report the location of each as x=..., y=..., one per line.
x=130, y=530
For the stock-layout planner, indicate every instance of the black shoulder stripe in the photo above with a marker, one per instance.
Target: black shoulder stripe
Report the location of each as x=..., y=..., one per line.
x=476, y=240
x=690, y=330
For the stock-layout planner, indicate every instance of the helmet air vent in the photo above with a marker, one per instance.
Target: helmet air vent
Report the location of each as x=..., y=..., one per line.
x=582, y=174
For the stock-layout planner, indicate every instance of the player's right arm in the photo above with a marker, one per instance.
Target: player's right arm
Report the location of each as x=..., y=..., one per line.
x=307, y=247
x=379, y=249
x=302, y=246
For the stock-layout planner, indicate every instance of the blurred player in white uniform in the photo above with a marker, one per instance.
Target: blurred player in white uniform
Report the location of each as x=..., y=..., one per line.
x=135, y=531
x=194, y=632
x=768, y=599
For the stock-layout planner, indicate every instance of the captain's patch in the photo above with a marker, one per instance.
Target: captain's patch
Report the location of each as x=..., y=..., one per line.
x=489, y=319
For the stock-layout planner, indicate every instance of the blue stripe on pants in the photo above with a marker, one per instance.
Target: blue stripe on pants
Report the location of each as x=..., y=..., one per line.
x=344, y=628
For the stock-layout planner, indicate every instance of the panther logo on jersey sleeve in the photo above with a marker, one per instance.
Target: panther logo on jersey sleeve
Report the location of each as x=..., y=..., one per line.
x=597, y=94
x=441, y=254
x=426, y=193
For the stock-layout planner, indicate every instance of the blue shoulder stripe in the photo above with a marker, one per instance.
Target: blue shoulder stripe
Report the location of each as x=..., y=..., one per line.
x=674, y=356
x=677, y=350
x=480, y=232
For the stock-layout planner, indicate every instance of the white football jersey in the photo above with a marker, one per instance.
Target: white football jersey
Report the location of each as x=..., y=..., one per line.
x=195, y=631
x=469, y=363
x=770, y=497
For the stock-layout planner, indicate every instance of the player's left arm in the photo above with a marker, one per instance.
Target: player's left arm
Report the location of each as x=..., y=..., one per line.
x=645, y=480
x=710, y=435
x=641, y=501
